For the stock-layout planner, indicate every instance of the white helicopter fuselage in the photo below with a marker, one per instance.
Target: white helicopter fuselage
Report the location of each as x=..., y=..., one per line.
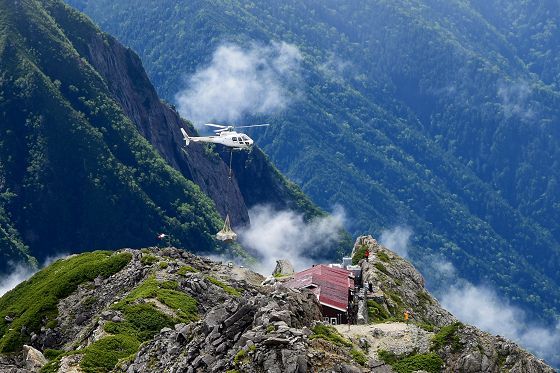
x=231, y=139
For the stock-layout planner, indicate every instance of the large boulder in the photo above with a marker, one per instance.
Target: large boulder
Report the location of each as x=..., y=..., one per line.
x=283, y=268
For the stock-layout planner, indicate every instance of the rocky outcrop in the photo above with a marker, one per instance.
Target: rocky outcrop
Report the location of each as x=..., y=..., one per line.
x=34, y=359
x=477, y=351
x=238, y=325
x=251, y=334
x=396, y=286
x=28, y=361
x=283, y=268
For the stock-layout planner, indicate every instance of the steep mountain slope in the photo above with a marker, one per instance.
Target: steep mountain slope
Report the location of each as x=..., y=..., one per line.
x=413, y=112
x=159, y=310
x=76, y=171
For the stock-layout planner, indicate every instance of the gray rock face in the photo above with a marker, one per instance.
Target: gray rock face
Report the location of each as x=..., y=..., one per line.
x=398, y=286
x=283, y=268
x=126, y=79
x=482, y=352
x=34, y=359
x=241, y=334
x=262, y=328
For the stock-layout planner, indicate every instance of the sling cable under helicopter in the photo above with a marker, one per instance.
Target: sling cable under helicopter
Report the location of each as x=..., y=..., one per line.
x=227, y=136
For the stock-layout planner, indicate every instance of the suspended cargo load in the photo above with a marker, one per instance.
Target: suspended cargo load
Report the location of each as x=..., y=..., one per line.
x=226, y=234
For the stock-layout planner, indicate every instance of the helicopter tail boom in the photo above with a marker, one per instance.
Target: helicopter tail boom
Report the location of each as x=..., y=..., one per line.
x=185, y=137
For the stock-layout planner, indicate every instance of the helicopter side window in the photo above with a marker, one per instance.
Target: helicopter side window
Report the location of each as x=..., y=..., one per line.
x=234, y=139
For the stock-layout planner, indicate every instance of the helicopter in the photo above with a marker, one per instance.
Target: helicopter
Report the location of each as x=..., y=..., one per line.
x=226, y=135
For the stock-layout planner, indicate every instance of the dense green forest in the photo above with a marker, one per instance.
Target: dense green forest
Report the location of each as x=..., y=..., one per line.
x=75, y=174
x=444, y=117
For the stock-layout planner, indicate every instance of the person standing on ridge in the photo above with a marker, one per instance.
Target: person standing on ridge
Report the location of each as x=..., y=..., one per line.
x=407, y=315
x=366, y=255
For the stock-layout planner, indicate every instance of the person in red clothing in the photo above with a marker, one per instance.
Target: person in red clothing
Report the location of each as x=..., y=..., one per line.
x=366, y=255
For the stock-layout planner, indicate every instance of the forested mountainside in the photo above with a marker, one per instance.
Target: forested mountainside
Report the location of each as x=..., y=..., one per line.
x=76, y=170
x=437, y=115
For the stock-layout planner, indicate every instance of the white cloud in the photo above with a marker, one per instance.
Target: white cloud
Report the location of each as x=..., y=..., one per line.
x=285, y=234
x=336, y=68
x=397, y=240
x=240, y=81
x=483, y=307
x=21, y=273
x=514, y=97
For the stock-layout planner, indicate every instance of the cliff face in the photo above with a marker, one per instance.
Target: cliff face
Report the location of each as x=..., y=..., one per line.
x=164, y=309
x=122, y=71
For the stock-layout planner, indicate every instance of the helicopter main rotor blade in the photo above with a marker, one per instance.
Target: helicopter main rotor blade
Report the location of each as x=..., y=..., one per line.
x=254, y=125
x=215, y=125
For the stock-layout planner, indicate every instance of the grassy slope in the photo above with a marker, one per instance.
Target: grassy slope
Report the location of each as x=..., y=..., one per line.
x=33, y=303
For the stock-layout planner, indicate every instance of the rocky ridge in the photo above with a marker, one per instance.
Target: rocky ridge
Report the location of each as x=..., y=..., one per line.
x=169, y=310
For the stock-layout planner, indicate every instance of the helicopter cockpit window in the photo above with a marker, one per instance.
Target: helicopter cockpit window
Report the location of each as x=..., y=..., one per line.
x=245, y=138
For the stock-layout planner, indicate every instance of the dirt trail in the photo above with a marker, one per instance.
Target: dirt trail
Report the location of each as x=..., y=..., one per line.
x=396, y=337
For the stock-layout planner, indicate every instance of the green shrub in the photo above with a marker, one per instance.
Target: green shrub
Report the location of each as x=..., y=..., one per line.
x=376, y=312
x=387, y=356
x=163, y=265
x=239, y=357
x=424, y=297
x=51, y=367
x=36, y=299
x=330, y=334
x=359, y=254
x=171, y=285
x=51, y=354
x=398, y=310
x=228, y=289
x=148, y=259
x=184, y=305
x=381, y=268
x=88, y=302
x=382, y=255
x=54, y=357
x=447, y=336
x=358, y=356
x=186, y=269
x=146, y=320
x=104, y=354
x=143, y=320
x=431, y=363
